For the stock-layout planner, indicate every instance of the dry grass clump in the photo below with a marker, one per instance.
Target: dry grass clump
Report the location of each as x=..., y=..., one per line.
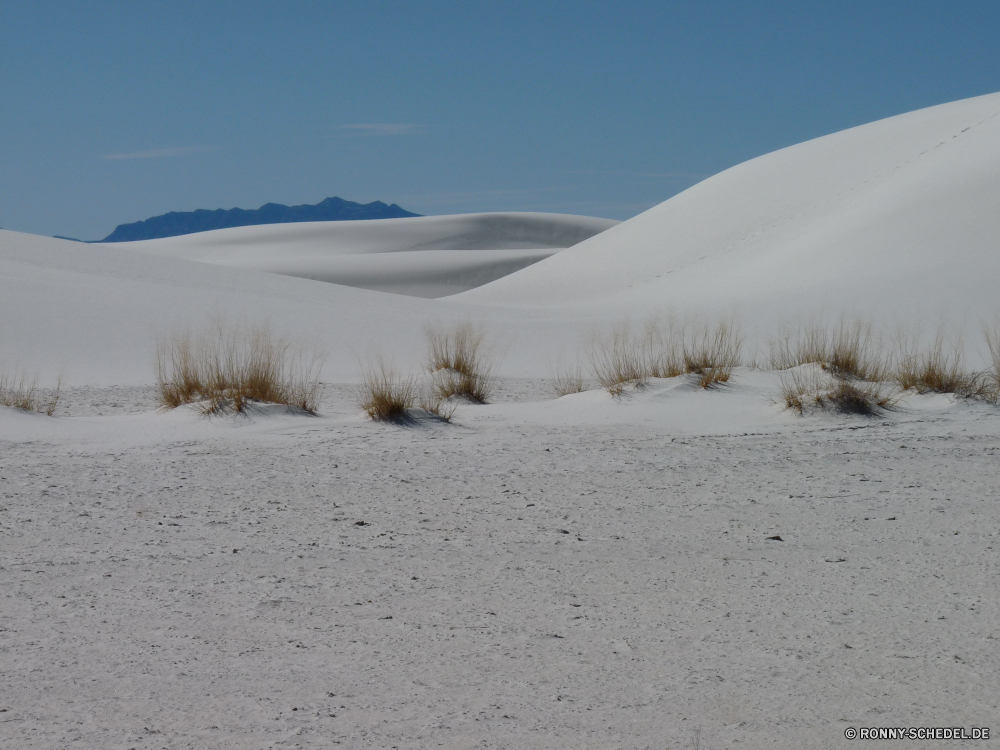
x=477, y=387
x=568, y=380
x=857, y=370
x=850, y=350
x=663, y=350
x=713, y=354
x=438, y=407
x=21, y=392
x=230, y=370
x=460, y=364
x=619, y=358
x=935, y=371
x=823, y=390
x=386, y=395
x=992, y=375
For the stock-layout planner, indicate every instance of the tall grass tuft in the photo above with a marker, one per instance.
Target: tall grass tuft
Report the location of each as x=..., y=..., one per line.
x=442, y=409
x=567, y=380
x=460, y=363
x=850, y=350
x=713, y=354
x=663, y=350
x=229, y=370
x=993, y=372
x=933, y=370
x=386, y=395
x=618, y=359
x=804, y=389
x=21, y=392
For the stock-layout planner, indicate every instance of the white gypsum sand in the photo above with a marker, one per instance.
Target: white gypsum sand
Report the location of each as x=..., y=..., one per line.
x=427, y=256
x=587, y=571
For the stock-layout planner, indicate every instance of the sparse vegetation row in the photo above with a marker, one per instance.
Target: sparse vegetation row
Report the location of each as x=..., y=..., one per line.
x=232, y=369
x=22, y=392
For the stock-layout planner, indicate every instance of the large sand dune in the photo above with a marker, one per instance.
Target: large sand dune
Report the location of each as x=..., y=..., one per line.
x=896, y=220
x=429, y=256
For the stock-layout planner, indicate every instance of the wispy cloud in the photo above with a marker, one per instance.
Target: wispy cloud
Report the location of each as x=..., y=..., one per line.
x=473, y=195
x=158, y=153
x=697, y=176
x=382, y=128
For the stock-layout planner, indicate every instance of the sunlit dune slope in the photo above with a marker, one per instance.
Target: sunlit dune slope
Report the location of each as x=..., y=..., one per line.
x=897, y=219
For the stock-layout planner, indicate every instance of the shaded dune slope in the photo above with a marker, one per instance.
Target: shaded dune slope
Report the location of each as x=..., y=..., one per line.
x=430, y=256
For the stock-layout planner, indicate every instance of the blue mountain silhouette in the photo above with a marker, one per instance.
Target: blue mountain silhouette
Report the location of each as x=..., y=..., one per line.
x=188, y=222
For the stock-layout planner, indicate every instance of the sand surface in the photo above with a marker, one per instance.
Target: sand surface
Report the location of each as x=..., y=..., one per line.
x=582, y=578
x=427, y=256
x=581, y=572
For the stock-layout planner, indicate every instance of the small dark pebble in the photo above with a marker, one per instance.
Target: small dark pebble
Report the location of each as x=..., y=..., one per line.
x=360, y=523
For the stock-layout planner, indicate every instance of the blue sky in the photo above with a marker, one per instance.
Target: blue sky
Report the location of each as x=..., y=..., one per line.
x=117, y=111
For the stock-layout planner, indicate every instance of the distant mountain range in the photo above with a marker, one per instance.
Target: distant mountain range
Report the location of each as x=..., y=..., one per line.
x=188, y=222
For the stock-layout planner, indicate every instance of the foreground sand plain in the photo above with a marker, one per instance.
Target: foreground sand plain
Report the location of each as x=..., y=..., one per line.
x=580, y=572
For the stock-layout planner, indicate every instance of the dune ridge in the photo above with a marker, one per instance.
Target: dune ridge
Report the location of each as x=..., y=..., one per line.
x=894, y=221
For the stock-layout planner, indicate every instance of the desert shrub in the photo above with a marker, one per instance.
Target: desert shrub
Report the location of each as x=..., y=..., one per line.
x=21, y=392
x=461, y=364
x=712, y=354
x=618, y=359
x=477, y=387
x=804, y=346
x=855, y=397
x=933, y=370
x=568, y=380
x=992, y=375
x=440, y=408
x=663, y=350
x=804, y=390
x=231, y=369
x=851, y=350
x=386, y=396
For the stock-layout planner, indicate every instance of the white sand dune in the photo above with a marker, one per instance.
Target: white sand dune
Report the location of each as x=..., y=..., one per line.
x=429, y=256
x=897, y=219
x=673, y=568
x=93, y=312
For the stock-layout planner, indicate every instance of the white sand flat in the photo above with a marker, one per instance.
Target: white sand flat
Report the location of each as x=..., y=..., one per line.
x=672, y=568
